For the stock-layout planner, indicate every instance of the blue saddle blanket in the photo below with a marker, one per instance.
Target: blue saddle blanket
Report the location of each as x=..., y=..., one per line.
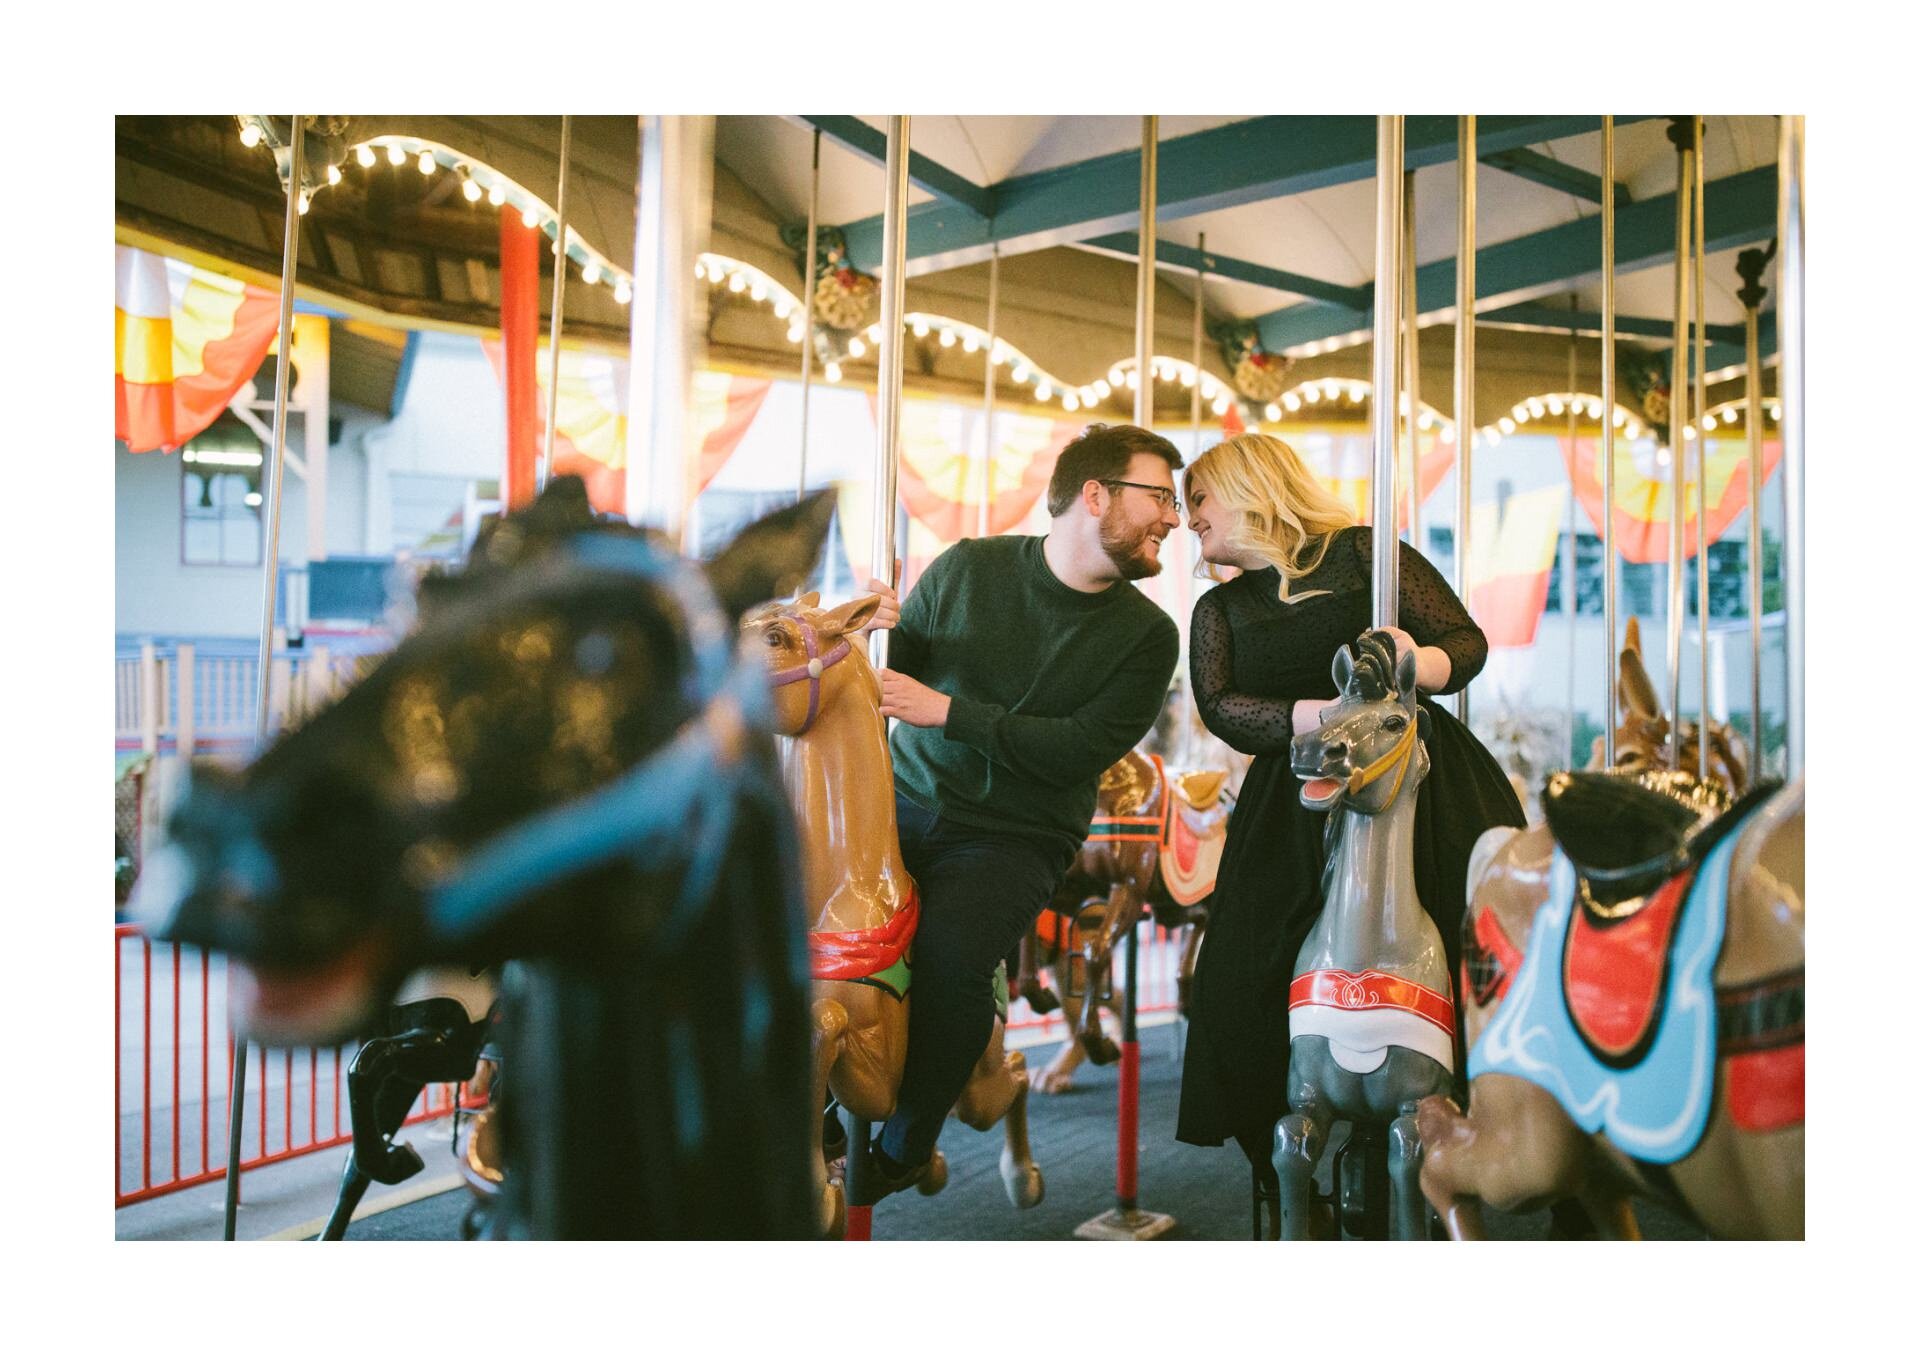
x=1658, y=1109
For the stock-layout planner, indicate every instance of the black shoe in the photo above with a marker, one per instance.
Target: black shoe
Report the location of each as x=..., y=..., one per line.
x=889, y=1176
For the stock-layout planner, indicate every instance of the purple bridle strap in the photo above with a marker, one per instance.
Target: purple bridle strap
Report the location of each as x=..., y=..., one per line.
x=815, y=666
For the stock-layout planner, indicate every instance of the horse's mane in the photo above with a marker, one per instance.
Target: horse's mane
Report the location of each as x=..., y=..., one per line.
x=1373, y=669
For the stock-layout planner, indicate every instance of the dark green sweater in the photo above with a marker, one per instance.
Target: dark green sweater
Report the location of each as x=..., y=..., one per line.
x=1050, y=686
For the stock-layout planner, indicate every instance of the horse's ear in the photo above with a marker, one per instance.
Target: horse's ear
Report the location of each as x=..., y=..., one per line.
x=807, y=600
x=1425, y=720
x=849, y=617
x=1342, y=667
x=772, y=557
x=1405, y=677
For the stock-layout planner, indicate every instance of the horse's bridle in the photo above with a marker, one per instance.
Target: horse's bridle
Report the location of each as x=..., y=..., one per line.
x=816, y=665
x=1399, y=757
x=677, y=807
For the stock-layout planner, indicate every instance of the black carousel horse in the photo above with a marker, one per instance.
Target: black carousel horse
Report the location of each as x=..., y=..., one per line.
x=565, y=764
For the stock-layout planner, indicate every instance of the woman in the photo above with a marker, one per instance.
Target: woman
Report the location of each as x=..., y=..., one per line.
x=1261, y=654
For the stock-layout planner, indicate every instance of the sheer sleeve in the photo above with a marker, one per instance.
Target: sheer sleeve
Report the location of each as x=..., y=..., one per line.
x=1432, y=613
x=1247, y=723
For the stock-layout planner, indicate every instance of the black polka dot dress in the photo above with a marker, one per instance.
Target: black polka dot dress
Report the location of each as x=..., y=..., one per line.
x=1252, y=657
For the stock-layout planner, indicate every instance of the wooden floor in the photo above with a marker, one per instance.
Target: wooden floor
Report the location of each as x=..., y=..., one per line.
x=1073, y=1137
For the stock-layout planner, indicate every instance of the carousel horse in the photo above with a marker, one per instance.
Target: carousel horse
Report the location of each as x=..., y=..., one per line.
x=860, y=902
x=1370, y=1006
x=1155, y=842
x=1642, y=730
x=1633, y=981
x=434, y=1032
x=567, y=764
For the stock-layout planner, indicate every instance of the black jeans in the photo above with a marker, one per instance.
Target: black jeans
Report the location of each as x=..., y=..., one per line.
x=980, y=890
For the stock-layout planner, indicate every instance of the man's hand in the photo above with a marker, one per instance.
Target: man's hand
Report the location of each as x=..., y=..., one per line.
x=913, y=701
x=889, y=610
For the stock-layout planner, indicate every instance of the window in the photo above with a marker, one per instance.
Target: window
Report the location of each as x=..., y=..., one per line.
x=221, y=514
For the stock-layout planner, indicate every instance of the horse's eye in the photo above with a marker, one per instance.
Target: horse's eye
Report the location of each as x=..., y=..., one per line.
x=1394, y=724
x=773, y=638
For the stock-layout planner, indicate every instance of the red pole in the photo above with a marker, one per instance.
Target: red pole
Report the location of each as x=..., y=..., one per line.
x=116, y=1065
x=519, y=339
x=859, y=1224
x=146, y=1062
x=1127, y=1185
x=206, y=1054
x=176, y=1061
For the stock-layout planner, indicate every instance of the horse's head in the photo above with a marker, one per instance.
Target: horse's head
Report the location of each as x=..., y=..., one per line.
x=563, y=700
x=813, y=658
x=1643, y=735
x=1368, y=749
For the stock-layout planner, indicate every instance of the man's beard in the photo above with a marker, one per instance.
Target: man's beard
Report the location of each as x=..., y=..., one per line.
x=1124, y=545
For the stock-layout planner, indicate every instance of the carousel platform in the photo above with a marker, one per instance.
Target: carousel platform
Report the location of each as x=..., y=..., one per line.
x=1206, y=1190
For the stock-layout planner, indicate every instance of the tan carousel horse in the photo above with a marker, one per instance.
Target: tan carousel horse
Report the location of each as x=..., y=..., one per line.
x=1155, y=841
x=1633, y=992
x=861, y=903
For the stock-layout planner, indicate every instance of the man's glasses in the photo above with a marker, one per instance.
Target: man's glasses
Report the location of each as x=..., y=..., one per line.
x=1168, y=499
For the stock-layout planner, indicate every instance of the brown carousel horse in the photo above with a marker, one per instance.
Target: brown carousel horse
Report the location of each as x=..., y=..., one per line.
x=1155, y=841
x=860, y=903
x=1642, y=730
x=1633, y=993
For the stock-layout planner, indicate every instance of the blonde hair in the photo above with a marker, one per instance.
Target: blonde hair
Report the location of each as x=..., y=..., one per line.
x=1275, y=507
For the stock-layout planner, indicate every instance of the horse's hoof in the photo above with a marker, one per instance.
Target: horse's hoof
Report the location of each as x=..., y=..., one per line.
x=1026, y=1188
x=833, y=1210
x=1053, y=1084
x=936, y=1179
x=1100, y=1049
x=1042, y=1001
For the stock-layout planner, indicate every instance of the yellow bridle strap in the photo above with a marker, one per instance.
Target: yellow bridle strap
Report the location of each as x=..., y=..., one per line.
x=1399, y=756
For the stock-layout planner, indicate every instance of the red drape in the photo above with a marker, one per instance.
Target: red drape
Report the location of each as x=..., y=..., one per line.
x=520, y=337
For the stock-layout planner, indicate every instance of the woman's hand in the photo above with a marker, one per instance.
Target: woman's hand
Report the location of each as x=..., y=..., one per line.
x=1306, y=714
x=1432, y=666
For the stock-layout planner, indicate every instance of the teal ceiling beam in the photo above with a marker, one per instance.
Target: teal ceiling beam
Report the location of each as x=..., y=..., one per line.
x=1126, y=245
x=1533, y=315
x=1525, y=163
x=1741, y=210
x=871, y=143
x=1243, y=162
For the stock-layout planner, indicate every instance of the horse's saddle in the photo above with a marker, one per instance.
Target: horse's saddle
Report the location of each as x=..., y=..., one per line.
x=1195, y=833
x=1612, y=1008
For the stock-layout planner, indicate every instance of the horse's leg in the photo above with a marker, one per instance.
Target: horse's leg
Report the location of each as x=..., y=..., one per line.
x=1121, y=913
x=1028, y=984
x=1517, y=1151
x=1409, y=1219
x=1299, y=1140
x=1611, y=1210
x=829, y=1025
x=1189, y=953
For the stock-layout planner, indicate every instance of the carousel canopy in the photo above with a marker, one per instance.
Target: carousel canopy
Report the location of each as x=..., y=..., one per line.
x=403, y=228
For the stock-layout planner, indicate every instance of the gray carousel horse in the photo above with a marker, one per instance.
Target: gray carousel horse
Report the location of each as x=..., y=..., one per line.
x=567, y=765
x=1370, y=1006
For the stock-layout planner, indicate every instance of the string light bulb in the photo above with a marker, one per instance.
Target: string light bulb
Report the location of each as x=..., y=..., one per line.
x=470, y=190
x=333, y=174
x=364, y=155
x=396, y=154
x=948, y=338
x=737, y=283
x=1290, y=402
x=1102, y=389
x=426, y=162
x=302, y=203
x=782, y=309
x=856, y=348
x=250, y=134
x=1044, y=390
x=530, y=218
x=622, y=293
x=970, y=344
x=591, y=272
x=497, y=195
x=1070, y=402
x=833, y=371
x=1222, y=405
x=1273, y=414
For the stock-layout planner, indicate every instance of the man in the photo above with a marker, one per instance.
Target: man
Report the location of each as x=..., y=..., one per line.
x=1021, y=669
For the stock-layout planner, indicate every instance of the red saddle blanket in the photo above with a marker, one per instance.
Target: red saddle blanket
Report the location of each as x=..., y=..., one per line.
x=1614, y=972
x=867, y=951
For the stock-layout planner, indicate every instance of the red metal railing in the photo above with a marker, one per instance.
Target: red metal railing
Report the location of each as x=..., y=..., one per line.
x=1158, y=977
x=171, y=1144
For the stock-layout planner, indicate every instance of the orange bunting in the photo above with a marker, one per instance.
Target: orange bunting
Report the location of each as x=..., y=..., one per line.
x=184, y=342
x=1512, y=563
x=1643, y=493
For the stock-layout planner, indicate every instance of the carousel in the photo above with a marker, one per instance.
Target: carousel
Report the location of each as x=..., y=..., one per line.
x=590, y=831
